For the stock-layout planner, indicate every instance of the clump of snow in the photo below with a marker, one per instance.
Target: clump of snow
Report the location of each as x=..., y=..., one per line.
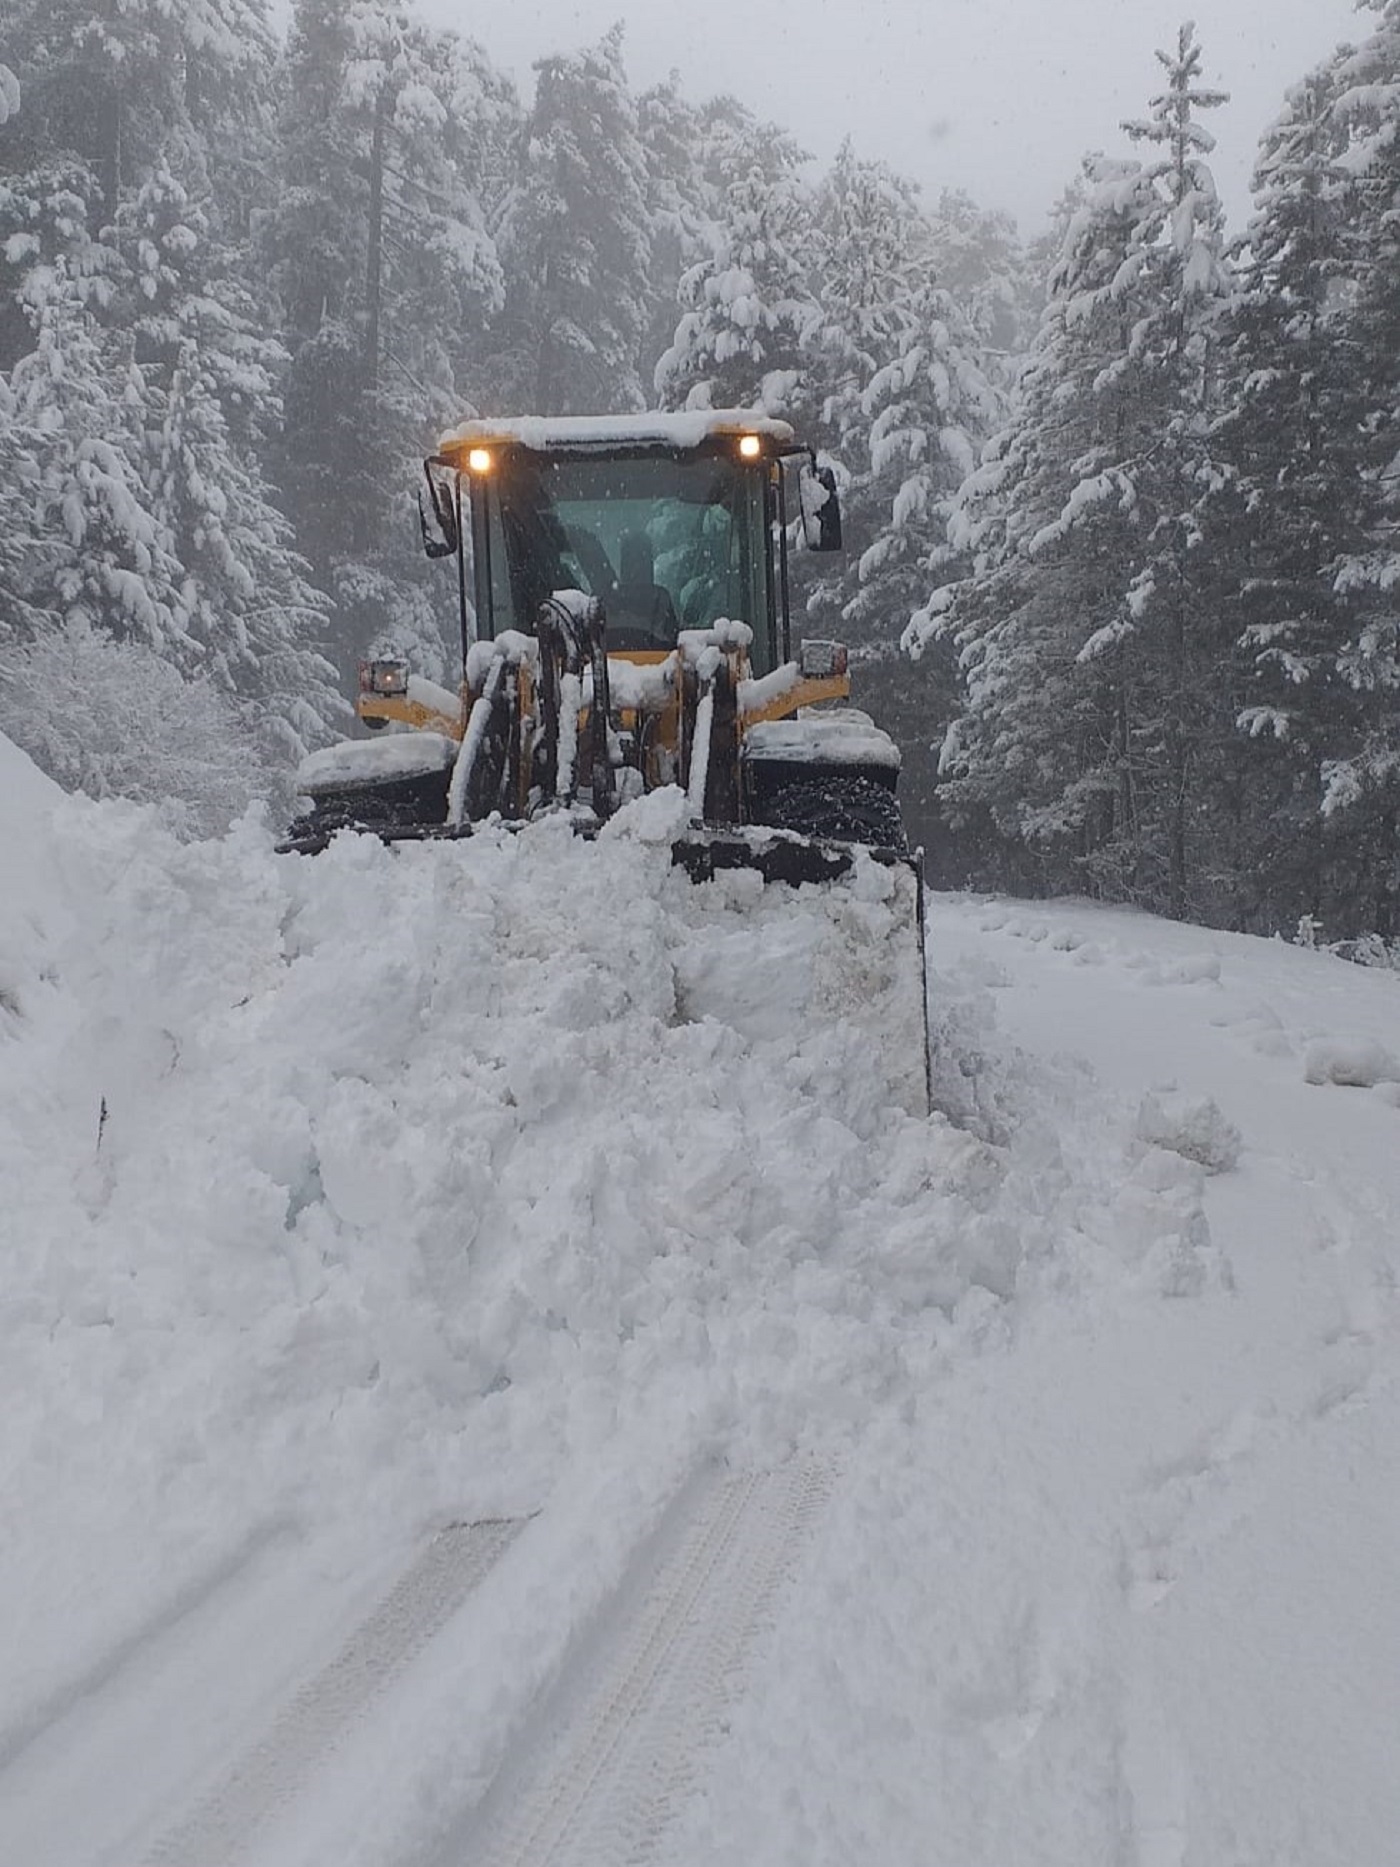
x=728, y=636
x=364, y=761
x=512, y=646
x=656, y=817
x=544, y=433
x=1354, y=1063
x=1191, y=1126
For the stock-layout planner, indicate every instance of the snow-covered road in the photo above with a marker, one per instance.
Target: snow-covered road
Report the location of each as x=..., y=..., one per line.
x=489, y=1374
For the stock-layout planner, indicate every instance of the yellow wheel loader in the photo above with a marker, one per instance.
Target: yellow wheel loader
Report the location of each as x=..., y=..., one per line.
x=622, y=590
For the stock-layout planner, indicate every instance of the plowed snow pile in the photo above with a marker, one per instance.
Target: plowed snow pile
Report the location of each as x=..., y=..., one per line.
x=346, y=1198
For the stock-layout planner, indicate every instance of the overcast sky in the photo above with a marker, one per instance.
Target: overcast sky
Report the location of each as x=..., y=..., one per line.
x=1000, y=97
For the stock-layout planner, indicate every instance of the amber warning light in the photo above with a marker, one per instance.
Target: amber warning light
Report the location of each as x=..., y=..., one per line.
x=479, y=460
x=821, y=660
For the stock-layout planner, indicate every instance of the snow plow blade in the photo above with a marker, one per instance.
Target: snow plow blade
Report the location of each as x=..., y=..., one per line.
x=778, y=855
x=311, y=840
x=856, y=952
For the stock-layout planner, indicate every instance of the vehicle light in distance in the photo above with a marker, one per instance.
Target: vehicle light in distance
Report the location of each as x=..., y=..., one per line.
x=386, y=680
x=819, y=661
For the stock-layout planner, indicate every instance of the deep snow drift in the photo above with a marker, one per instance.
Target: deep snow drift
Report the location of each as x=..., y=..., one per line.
x=349, y=1198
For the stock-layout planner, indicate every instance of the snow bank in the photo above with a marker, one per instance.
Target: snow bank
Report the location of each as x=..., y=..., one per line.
x=517, y=1177
x=397, y=1181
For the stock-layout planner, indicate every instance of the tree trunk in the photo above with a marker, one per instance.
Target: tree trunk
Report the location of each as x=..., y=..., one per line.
x=374, y=269
x=109, y=150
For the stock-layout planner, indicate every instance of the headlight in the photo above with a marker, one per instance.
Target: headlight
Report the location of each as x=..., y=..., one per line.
x=386, y=680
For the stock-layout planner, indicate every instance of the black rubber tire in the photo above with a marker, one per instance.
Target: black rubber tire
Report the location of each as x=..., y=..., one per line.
x=851, y=809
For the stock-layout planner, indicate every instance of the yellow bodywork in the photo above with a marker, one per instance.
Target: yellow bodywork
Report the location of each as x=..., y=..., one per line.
x=380, y=710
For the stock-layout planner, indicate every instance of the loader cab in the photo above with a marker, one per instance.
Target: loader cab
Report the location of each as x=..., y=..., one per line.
x=674, y=522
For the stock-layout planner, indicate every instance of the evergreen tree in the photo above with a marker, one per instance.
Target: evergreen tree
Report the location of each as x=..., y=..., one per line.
x=386, y=273
x=1037, y=772
x=978, y=259
x=1362, y=776
x=245, y=603
x=904, y=406
x=747, y=309
x=681, y=207
x=1294, y=429
x=92, y=553
x=577, y=240
x=1173, y=604
x=1090, y=628
x=112, y=85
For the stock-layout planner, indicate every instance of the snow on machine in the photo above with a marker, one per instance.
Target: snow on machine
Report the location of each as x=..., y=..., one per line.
x=623, y=597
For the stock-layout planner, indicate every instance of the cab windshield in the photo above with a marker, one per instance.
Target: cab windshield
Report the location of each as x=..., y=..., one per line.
x=667, y=545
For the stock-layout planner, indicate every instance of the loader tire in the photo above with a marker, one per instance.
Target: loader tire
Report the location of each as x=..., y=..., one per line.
x=850, y=809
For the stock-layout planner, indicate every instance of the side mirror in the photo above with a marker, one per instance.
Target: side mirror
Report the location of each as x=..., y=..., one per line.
x=821, y=509
x=437, y=515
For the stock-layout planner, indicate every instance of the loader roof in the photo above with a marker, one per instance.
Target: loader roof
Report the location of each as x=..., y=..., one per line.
x=597, y=433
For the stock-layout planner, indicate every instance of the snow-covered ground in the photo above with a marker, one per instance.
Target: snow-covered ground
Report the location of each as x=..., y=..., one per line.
x=486, y=1369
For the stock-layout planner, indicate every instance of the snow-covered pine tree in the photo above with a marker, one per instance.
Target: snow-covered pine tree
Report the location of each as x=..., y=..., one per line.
x=1037, y=774
x=1090, y=627
x=92, y=553
x=978, y=258
x=1362, y=777
x=380, y=259
x=576, y=240
x=681, y=207
x=1293, y=425
x=1174, y=603
x=248, y=615
x=903, y=406
x=112, y=84
x=748, y=308
x=20, y=447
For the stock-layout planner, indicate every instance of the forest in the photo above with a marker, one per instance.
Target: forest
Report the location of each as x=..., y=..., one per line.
x=1121, y=498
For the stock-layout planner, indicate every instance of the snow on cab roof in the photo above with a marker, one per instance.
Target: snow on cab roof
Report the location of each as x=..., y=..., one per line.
x=685, y=430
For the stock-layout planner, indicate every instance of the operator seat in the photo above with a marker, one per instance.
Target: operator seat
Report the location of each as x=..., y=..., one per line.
x=641, y=613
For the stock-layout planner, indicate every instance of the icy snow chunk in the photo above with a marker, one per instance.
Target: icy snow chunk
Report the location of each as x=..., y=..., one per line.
x=1356, y=1064
x=657, y=817
x=1192, y=1127
x=369, y=761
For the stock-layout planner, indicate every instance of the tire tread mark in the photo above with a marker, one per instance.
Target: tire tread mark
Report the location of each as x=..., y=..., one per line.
x=270, y=1773
x=617, y=1772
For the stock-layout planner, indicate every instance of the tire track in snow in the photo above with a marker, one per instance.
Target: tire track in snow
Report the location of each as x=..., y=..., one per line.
x=611, y=1756
x=268, y=1777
